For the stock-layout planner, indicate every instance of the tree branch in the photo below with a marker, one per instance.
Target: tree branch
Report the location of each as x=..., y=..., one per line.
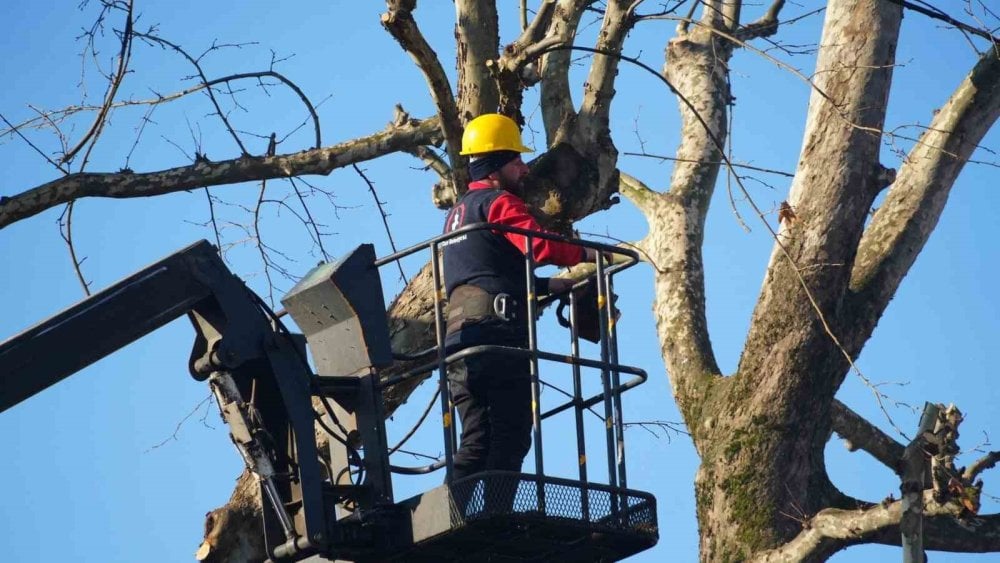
x=834, y=529
x=396, y=137
x=641, y=195
x=795, y=325
x=766, y=26
x=863, y=435
x=538, y=28
x=123, y=59
x=441, y=194
x=696, y=71
x=719, y=14
x=903, y=224
x=201, y=73
x=477, y=41
x=731, y=13
x=596, y=105
x=52, y=118
x=514, y=70
x=556, y=99
x=398, y=20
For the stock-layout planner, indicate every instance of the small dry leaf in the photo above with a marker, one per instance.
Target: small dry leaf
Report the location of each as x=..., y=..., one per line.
x=967, y=496
x=786, y=213
x=970, y=505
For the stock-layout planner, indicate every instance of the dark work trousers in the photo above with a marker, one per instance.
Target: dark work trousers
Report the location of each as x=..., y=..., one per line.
x=492, y=393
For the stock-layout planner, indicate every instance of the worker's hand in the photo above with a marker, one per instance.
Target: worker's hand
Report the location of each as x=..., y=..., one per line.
x=591, y=256
x=560, y=285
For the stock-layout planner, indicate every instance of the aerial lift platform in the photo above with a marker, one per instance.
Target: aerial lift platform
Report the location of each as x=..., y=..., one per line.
x=341, y=506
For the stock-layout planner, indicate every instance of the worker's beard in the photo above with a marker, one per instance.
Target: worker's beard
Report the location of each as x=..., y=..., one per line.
x=513, y=185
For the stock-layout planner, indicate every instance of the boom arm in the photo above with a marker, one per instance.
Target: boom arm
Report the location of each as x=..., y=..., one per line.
x=236, y=348
x=98, y=326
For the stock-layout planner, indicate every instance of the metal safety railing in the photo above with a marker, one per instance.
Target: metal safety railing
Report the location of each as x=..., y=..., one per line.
x=439, y=357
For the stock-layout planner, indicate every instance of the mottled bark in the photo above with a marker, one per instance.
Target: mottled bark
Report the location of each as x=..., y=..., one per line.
x=579, y=174
x=834, y=186
x=477, y=41
x=697, y=66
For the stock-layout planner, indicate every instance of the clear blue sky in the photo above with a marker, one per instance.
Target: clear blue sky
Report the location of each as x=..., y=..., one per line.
x=87, y=476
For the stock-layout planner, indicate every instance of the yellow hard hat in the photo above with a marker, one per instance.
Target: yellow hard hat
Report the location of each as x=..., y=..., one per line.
x=492, y=132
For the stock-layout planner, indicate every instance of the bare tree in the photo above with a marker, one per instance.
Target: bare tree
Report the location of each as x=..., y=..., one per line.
x=760, y=431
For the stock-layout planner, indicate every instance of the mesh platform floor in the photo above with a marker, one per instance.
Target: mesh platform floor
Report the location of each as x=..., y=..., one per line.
x=501, y=516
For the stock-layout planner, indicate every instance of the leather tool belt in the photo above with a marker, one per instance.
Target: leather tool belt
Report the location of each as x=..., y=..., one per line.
x=471, y=303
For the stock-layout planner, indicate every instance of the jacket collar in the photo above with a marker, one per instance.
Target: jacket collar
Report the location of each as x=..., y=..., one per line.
x=482, y=185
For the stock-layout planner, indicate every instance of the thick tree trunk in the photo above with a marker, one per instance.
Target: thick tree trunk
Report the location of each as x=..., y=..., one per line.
x=756, y=485
x=761, y=433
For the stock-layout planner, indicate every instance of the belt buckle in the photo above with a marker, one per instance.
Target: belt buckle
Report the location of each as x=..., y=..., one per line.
x=502, y=305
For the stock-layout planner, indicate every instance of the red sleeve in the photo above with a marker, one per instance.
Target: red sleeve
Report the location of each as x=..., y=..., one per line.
x=509, y=210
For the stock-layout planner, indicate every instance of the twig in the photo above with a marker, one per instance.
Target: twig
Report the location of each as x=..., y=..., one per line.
x=260, y=242
x=201, y=73
x=66, y=231
x=311, y=222
x=939, y=15
x=385, y=218
x=177, y=429
x=730, y=172
x=32, y=145
x=123, y=59
x=215, y=225
x=666, y=426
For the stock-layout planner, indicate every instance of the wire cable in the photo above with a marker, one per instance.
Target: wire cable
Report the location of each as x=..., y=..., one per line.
x=419, y=422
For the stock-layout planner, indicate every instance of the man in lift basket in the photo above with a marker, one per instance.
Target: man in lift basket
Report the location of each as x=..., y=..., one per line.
x=485, y=280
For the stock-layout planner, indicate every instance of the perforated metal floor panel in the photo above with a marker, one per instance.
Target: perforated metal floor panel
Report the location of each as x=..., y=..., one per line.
x=502, y=516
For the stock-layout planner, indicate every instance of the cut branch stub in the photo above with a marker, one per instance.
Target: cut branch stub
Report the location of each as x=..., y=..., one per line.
x=565, y=186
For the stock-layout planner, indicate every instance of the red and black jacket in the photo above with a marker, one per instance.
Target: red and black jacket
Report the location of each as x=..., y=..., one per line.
x=494, y=261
